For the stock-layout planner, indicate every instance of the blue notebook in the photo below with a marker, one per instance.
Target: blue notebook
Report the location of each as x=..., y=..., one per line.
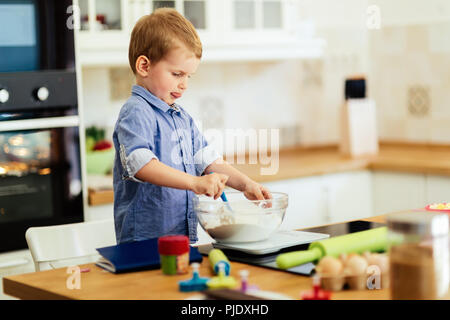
x=136, y=256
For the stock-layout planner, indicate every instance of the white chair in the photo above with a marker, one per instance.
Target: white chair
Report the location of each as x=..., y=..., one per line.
x=69, y=244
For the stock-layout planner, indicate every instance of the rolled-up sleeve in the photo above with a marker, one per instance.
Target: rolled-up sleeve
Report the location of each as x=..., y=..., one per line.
x=204, y=153
x=136, y=141
x=204, y=157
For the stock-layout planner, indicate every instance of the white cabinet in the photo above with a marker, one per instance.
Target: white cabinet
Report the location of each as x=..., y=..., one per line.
x=325, y=199
x=103, y=35
x=238, y=30
x=307, y=203
x=403, y=191
x=99, y=212
x=254, y=30
x=438, y=189
x=12, y=263
x=349, y=196
x=102, y=15
x=398, y=191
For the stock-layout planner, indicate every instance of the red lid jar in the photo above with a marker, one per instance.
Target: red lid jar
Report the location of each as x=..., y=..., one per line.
x=173, y=245
x=174, y=254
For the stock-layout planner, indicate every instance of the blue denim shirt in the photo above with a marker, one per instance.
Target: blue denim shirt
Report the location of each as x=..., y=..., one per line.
x=149, y=128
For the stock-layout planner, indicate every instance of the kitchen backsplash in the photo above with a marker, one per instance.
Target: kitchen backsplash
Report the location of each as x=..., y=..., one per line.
x=410, y=79
x=296, y=97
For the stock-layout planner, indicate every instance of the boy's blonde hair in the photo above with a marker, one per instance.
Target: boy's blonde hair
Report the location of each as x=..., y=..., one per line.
x=154, y=35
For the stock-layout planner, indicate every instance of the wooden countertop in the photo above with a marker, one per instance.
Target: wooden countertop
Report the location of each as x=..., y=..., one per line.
x=98, y=284
x=303, y=162
x=400, y=157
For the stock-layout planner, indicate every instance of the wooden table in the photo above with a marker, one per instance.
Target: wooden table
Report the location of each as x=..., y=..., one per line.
x=99, y=284
x=103, y=285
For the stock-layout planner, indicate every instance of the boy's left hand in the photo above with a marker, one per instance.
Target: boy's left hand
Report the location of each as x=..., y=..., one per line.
x=255, y=191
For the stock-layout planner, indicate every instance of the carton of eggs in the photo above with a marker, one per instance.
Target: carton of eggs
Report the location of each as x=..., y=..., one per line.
x=354, y=271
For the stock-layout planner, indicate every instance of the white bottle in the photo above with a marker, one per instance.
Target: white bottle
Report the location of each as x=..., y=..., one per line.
x=359, y=134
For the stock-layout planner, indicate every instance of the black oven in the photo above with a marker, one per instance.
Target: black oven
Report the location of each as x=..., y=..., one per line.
x=40, y=171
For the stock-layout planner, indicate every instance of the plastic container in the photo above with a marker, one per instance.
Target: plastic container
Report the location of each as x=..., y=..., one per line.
x=439, y=207
x=174, y=254
x=100, y=162
x=418, y=255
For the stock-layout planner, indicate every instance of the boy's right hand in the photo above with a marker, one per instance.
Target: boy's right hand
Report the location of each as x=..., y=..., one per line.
x=211, y=185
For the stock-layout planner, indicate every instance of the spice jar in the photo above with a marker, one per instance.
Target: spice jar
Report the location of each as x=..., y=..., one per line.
x=418, y=255
x=174, y=254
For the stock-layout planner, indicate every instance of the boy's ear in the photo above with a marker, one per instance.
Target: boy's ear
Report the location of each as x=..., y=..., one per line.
x=142, y=66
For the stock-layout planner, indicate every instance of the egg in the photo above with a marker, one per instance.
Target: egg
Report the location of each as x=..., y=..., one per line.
x=345, y=257
x=330, y=266
x=379, y=259
x=356, y=265
x=367, y=255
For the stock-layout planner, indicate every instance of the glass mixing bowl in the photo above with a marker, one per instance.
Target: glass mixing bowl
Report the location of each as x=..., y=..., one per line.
x=241, y=220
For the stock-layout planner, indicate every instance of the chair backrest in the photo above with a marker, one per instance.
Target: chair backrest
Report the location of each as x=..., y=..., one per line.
x=51, y=244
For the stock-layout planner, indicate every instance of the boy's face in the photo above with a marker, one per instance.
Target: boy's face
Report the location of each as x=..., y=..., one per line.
x=167, y=79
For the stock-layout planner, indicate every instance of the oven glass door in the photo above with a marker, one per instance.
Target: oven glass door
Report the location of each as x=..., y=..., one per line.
x=40, y=177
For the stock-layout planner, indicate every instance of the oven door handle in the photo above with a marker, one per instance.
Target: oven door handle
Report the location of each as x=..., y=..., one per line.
x=40, y=123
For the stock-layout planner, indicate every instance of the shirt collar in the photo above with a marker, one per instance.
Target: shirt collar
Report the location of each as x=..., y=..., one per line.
x=152, y=99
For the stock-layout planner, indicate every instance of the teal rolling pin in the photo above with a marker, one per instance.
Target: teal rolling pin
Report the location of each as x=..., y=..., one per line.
x=374, y=240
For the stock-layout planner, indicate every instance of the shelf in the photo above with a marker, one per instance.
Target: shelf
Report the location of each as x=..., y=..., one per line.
x=309, y=49
x=100, y=189
x=304, y=50
x=99, y=197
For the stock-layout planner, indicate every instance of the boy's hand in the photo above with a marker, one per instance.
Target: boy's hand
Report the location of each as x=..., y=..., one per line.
x=211, y=185
x=255, y=191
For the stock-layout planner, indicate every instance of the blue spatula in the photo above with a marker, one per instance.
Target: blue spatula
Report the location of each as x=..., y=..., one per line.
x=224, y=199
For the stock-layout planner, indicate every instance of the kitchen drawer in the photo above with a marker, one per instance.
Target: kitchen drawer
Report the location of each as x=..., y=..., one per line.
x=99, y=212
x=14, y=262
x=325, y=199
x=307, y=202
x=398, y=191
x=438, y=189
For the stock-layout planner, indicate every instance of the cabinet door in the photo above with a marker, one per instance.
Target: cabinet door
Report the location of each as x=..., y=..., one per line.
x=101, y=15
x=306, y=202
x=203, y=237
x=438, y=189
x=349, y=196
x=398, y=191
x=99, y=212
x=12, y=263
x=258, y=21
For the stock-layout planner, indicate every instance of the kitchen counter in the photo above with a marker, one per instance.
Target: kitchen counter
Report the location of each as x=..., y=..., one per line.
x=98, y=284
x=153, y=284
x=302, y=162
x=400, y=157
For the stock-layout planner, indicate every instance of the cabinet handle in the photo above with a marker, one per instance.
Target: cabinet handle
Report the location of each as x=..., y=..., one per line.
x=40, y=123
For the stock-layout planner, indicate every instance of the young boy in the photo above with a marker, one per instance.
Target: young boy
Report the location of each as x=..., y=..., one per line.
x=161, y=157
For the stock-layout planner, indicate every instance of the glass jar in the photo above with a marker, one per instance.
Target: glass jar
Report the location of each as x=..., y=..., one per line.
x=418, y=255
